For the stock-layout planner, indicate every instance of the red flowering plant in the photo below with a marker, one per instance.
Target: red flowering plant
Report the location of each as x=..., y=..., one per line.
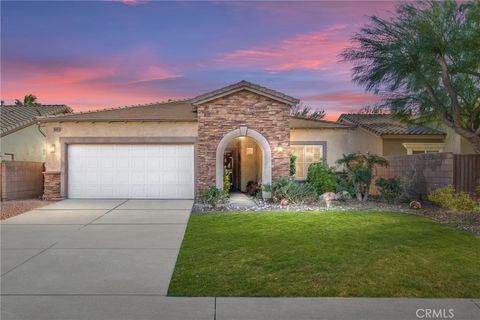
x=389, y=189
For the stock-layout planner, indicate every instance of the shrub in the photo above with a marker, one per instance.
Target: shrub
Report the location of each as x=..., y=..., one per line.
x=389, y=189
x=361, y=167
x=292, y=191
x=447, y=198
x=214, y=196
x=322, y=177
x=293, y=169
x=345, y=183
x=227, y=184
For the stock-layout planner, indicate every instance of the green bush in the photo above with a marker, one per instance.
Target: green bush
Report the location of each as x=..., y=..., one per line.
x=389, y=189
x=447, y=198
x=322, y=177
x=227, y=184
x=293, y=169
x=214, y=196
x=345, y=183
x=292, y=191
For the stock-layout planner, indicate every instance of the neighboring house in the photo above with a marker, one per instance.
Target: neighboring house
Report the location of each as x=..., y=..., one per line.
x=21, y=137
x=175, y=149
x=397, y=138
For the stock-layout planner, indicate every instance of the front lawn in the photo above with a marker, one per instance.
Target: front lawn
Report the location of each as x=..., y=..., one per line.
x=325, y=254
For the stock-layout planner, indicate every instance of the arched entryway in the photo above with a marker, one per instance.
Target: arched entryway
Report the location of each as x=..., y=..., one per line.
x=262, y=144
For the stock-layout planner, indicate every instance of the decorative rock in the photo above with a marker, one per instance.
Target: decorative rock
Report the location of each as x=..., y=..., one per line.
x=343, y=195
x=328, y=197
x=284, y=202
x=415, y=205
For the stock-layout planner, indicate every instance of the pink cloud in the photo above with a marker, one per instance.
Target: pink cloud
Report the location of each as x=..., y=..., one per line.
x=352, y=98
x=113, y=82
x=132, y=2
x=311, y=51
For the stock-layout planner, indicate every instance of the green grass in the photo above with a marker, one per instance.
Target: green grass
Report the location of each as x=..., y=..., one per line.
x=325, y=254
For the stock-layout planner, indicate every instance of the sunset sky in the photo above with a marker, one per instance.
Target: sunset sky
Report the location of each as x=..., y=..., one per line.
x=92, y=55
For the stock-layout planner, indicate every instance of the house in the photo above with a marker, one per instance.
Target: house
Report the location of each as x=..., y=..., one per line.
x=397, y=138
x=394, y=137
x=21, y=137
x=175, y=149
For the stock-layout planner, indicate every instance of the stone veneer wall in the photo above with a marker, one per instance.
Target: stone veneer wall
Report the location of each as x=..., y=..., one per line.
x=264, y=115
x=52, y=183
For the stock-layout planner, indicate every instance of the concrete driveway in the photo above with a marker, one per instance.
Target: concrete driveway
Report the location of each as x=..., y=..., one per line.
x=98, y=259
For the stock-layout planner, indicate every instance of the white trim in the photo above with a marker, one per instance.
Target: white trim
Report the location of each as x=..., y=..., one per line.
x=423, y=146
x=264, y=146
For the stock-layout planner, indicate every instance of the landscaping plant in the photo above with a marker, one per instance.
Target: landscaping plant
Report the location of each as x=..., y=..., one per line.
x=293, y=169
x=214, y=196
x=345, y=183
x=227, y=184
x=322, y=177
x=389, y=189
x=360, y=168
x=291, y=191
x=447, y=198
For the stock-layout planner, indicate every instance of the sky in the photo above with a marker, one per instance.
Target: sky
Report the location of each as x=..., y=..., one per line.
x=99, y=54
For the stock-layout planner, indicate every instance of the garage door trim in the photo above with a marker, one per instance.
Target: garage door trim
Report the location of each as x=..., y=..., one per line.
x=65, y=141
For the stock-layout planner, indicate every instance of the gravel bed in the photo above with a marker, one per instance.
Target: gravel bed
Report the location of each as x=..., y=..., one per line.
x=15, y=207
x=463, y=221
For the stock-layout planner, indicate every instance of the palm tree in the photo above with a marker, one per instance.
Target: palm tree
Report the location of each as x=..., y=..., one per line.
x=28, y=100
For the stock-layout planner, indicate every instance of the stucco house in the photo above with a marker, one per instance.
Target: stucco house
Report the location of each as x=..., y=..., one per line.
x=21, y=138
x=174, y=149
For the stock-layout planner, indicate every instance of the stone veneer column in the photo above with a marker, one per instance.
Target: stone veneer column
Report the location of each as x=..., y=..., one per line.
x=52, y=186
x=218, y=117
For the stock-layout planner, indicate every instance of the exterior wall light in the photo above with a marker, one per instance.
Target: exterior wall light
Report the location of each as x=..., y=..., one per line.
x=279, y=149
x=52, y=148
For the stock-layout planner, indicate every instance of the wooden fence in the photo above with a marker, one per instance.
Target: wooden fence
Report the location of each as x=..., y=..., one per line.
x=466, y=173
x=21, y=180
x=425, y=172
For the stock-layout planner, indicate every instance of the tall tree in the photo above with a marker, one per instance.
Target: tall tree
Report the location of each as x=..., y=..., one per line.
x=424, y=62
x=28, y=100
x=303, y=111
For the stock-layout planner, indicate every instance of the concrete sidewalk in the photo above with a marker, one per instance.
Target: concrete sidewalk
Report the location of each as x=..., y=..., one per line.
x=111, y=307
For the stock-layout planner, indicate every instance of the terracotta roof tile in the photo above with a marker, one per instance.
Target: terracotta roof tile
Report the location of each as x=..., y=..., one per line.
x=385, y=124
x=178, y=110
x=244, y=85
x=13, y=117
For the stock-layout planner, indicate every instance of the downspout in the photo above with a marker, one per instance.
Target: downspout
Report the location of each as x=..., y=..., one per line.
x=39, y=129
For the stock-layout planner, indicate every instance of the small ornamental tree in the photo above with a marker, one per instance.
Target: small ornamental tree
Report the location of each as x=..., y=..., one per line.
x=360, y=168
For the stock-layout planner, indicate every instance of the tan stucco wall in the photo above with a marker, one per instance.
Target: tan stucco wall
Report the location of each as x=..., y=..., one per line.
x=339, y=141
x=27, y=144
x=113, y=129
x=395, y=146
x=250, y=164
x=456, y=143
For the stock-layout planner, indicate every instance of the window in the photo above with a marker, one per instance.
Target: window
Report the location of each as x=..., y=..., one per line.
x=306, y=155
x=416, y=148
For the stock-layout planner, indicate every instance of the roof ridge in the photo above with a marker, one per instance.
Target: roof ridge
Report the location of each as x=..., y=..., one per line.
x=117, y=108
x=318, y=120
x=274, y=94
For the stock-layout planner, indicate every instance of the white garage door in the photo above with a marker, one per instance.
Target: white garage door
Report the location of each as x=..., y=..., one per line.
x=131, y=171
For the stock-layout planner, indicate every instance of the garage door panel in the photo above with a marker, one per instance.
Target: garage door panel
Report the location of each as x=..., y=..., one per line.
x=131, y=171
